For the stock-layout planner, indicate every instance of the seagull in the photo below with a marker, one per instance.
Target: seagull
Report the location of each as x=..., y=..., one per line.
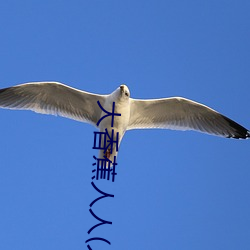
x=176, y=113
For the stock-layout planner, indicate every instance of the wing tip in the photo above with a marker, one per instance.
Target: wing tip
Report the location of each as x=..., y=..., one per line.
x=240, y=136
x=239, y=131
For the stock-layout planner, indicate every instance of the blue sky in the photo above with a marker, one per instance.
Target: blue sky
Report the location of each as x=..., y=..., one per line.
x=174, y=190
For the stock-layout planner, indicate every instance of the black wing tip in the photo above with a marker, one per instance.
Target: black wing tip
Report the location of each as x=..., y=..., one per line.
x=239, y=136
x=239, y=131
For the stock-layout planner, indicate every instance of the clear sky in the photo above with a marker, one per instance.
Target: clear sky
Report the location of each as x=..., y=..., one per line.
x=174, y=190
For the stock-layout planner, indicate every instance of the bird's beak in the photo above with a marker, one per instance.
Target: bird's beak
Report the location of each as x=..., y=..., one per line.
x=122, y=88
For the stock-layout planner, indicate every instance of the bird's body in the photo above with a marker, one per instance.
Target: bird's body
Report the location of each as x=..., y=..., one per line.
x=167, y=113
x=120, y=123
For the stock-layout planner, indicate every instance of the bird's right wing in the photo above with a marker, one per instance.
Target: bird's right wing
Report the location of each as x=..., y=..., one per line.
x=53, y=98
x=182, y=114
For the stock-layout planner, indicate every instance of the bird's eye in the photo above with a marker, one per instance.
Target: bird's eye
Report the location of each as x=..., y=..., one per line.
x=126, y=93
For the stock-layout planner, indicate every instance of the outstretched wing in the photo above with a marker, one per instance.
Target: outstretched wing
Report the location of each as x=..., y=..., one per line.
x=182, y=114
x=53, y=98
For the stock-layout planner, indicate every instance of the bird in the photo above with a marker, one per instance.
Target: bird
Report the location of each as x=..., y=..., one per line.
x=176, y=113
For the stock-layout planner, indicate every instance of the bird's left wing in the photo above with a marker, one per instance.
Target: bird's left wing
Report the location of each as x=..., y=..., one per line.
x=53, y=98
x=182, y=114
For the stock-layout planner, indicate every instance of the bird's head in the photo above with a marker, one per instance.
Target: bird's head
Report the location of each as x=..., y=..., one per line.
x=124, y=91
x=121, y=93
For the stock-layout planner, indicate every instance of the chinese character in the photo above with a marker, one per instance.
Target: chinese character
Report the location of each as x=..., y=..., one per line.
x=103, y=168
x=96, y=238
x=108, y=114
x=105, y=142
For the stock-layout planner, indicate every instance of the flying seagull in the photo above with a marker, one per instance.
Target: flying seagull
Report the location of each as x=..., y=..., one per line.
x=167, y=113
